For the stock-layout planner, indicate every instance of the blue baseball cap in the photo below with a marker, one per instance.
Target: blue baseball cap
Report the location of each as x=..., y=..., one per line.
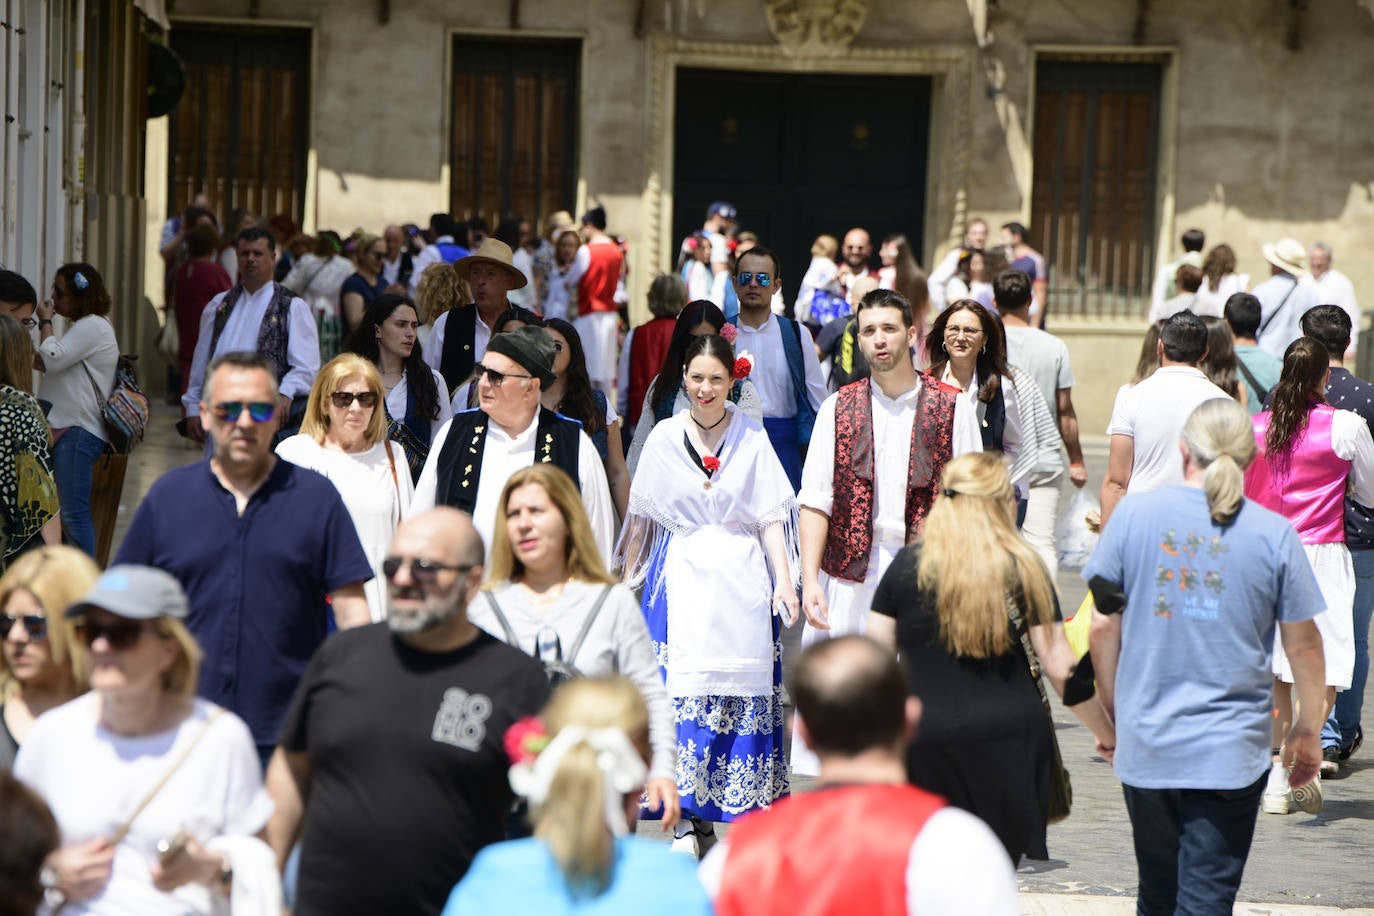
x=721, y=208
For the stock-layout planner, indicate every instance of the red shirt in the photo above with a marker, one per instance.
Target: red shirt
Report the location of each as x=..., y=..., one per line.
x=194, y=284
x=596, y=289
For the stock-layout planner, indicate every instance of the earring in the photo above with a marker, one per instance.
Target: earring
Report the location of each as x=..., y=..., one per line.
x=984, y=351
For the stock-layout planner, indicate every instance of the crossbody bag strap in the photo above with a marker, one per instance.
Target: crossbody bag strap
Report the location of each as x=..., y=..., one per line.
x=1018, y=622
x=1275, y=313
x=395, y=481
x=123, y=830
x=100, y=400
x=1259, y=391
x=511, y=639
x=587, y=625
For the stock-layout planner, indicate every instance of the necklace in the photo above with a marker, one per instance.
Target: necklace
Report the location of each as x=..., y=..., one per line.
x=713, y=425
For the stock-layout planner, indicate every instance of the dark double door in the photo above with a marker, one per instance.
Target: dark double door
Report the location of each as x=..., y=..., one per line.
x=800, y=155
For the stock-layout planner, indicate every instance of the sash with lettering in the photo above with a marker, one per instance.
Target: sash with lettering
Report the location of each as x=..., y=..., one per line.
x=850, y=542
x=556, y=441
x=843, y=849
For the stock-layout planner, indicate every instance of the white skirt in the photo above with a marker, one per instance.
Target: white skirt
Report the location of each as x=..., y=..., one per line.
x=1336, y=578
x=598, y=331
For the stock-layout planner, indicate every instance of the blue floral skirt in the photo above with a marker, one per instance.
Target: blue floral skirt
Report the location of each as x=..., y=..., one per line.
x=730, y=758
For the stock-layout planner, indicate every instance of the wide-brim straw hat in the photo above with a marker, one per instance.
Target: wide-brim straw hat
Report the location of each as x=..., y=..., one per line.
x=492, y=251
x=1287, y=255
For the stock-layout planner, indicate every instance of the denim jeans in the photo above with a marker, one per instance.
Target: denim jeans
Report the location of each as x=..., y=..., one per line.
x=1191, y=846
x=1345, y=717
x=73, y=462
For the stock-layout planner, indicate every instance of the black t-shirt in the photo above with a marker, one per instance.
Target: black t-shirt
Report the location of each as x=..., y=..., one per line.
x=409, y=772
x=831, y=342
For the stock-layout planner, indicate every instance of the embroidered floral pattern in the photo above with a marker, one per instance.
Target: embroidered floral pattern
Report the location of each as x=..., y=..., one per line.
x=730, y=715
x=730, y=785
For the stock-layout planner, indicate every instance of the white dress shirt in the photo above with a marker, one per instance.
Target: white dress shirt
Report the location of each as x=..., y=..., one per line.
x=892, y=422
x=241, y=334
x=771, y=374
x=434, y=350
x=396, y=402
x=502, y=456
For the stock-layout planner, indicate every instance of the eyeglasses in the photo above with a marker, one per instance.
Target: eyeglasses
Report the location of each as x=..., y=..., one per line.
x=954, y=333
x=424, y=572
x=343, y=399
x=259, y=411
x=493, y=377
x=36, y=625
x=120, y=635
x=29, y=322
x=743, y=278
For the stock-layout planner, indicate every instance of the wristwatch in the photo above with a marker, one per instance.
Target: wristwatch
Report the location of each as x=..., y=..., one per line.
x=52, y=893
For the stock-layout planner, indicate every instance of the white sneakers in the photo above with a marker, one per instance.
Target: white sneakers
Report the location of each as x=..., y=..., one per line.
x=1279, y=797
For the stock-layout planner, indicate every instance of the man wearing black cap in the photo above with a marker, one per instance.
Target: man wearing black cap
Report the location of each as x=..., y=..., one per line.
x=460, y=336
x=475, y=453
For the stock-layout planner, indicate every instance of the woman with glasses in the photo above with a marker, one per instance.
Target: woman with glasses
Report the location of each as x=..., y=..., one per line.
x=28, y=494
x=549, y=594
x=417, y=401
x=366, y=284
x=158, y=794
x=573, y=396
x=968, y=349
x=344, y=437
x=666, y=396
x=42, y=668
x=78, y=377
x=711, y=491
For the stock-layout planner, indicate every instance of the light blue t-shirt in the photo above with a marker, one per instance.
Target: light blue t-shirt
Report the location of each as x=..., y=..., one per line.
x=1197, y=635
x=521, y=876
x=1264, y=368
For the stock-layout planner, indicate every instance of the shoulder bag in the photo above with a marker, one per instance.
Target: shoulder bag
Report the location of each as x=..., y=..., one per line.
x=1061, y=789
x=559, y=669
x=125, y=411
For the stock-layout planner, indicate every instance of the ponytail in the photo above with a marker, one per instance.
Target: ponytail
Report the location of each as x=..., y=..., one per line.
x=572, y=822
x=1220, y=439
x=1300, y=386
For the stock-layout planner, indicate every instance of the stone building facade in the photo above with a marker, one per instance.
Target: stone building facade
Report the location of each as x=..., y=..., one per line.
x=1107, y=127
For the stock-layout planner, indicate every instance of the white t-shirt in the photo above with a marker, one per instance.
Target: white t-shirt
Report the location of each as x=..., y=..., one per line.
x=374, y=499
x=956, y=866
x=1152, y=413
x=88, y=343
x=93, y=780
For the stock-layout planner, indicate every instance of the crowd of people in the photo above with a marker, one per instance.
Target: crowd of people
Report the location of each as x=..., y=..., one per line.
x=467, y=559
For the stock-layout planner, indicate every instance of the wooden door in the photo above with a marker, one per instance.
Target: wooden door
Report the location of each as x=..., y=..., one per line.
x=1093, y=194
x=241, y=131
x=515, y=128
x=800, y=155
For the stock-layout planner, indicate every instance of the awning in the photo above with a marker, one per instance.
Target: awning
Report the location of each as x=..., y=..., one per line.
x=155, y=10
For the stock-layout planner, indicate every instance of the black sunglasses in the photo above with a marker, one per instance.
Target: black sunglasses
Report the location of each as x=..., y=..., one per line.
x=494, y=377
x=743, y=278
x=424, y=572
x=260, y=411
x=342, y=399
x=121, y=635
x=36, y=625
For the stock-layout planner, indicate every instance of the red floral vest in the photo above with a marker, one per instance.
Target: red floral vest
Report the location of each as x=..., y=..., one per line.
x=837, y=850
x=850, y=542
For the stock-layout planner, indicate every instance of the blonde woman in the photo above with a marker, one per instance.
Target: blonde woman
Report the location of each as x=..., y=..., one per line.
x=581, y=765
x=133, y=842
x=440, y=289
x=546, y=583
x=343, y=437
x=41, y=668
x=985, y=737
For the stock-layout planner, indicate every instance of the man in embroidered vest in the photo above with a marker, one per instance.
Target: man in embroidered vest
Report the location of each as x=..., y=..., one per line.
x=257, y=316
x=877, y=450
x=475, y=453
x=460, y=336
x=787, y=372
x=864, y=841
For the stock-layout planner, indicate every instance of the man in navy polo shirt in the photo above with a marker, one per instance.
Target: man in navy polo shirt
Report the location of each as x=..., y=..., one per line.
x=1330, y=326
x=258, y=544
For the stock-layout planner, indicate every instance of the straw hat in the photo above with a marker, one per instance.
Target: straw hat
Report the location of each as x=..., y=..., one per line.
x=492, y=251
x=1287, y=255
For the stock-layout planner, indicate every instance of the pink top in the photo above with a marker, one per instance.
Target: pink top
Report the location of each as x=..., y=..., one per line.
x=1308, y=487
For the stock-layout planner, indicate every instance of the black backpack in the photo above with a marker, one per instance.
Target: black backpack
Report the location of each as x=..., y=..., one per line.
x=549, y=651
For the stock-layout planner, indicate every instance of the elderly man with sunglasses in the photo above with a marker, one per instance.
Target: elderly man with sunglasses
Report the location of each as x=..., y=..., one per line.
x=263, y=548
x=474, y=454
x=391, y=769
x=787, y=371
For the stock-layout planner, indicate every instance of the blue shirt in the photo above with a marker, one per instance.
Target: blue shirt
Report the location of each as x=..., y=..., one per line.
x=1348, y=392
x=1197, y=635
x=1266, y=371
x=521, y=876
x=256, y=583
